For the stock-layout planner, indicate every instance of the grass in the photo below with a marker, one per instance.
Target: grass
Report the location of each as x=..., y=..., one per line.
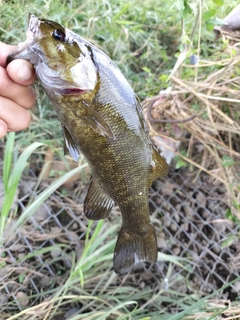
x=146, y=42
x=12, y=176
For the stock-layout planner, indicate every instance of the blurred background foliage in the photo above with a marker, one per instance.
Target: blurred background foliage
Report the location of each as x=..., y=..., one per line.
x=144, y=38
x=141, y=37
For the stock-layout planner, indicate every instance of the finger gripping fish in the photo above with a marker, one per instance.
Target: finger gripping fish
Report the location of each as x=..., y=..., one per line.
x=100, y=116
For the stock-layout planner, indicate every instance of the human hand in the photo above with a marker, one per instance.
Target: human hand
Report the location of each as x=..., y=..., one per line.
x=16, y=95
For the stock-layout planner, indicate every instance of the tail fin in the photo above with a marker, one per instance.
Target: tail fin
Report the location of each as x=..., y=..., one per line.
x=132, y=248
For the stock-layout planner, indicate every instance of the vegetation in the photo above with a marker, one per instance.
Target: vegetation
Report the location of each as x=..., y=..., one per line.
x=146, y=40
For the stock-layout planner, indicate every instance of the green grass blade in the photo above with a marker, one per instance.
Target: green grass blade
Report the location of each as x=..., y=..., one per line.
x=7, y=162
x=200, y=303
x=46, y=193
x=21, y=164
x=11, y=180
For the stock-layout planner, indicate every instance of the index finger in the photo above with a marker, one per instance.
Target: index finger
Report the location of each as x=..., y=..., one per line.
x=5, y=50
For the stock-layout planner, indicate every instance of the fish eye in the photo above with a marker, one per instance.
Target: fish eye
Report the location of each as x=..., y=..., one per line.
x=58, y=35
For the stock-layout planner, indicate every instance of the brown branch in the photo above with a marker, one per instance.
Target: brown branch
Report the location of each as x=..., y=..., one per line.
x=150, y=118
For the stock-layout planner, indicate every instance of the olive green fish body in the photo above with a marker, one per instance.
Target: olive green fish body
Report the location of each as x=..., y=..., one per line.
x=102, y=117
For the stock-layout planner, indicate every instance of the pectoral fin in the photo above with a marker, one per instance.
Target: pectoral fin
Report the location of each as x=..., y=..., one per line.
x=97, y=204
x=159, y=166
x=95, y=120
x=69, y=144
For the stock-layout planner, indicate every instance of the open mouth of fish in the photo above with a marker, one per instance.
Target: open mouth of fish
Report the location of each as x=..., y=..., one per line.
x=27, y=50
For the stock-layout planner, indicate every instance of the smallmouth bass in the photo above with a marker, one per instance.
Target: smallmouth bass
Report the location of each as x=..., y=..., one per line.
x=101, y=116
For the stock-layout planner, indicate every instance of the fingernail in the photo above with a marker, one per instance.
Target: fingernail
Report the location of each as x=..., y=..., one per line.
x=24, y=72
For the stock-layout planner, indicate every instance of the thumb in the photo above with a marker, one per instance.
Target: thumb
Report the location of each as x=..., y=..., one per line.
x=21, y=72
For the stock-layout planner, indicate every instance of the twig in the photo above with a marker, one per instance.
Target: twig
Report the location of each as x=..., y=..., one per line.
x=150, y=118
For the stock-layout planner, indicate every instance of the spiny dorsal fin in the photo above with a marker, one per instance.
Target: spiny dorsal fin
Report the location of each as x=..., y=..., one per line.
x=69, y=144
x=97, y=204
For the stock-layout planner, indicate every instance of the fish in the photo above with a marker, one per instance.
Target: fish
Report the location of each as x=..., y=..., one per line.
x=101, y=117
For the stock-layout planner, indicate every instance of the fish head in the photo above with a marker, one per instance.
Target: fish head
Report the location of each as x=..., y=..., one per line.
x=62, y=59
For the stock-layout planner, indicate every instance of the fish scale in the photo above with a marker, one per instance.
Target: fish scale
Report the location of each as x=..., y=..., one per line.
x=101, y=117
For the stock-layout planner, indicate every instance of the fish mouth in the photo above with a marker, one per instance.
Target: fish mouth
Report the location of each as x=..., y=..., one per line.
x=27, y=50
x=33, y=28
x=24, y=52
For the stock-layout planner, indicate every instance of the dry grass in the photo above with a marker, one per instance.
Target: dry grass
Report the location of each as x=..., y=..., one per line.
x=212, y=134
x=226, y=310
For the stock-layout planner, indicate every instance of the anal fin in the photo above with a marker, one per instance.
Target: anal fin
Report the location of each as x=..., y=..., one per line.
x=97, y=204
